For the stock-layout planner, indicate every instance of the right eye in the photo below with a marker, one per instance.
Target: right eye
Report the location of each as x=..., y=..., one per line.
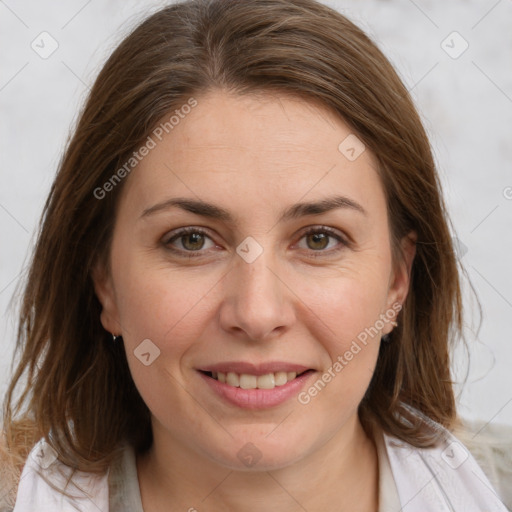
x=191, y=240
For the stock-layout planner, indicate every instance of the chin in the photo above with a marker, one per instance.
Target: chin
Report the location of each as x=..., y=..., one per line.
x=260, y=455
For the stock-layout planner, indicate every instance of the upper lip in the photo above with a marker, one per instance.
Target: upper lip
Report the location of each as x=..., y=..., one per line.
x=254, y=369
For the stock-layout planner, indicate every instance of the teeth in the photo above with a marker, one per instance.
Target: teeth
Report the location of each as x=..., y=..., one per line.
x=246, y=381
x=281, y=378
x=267, y=381
x=232, y=379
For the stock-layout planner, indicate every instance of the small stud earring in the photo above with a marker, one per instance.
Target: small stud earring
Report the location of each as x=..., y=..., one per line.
x=114, y=337
x=386, y=337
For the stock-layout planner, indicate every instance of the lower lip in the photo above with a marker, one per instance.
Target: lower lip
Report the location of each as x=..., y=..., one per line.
x=257, y=398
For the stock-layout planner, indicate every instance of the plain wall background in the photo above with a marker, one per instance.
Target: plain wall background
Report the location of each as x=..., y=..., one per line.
x=465, y=102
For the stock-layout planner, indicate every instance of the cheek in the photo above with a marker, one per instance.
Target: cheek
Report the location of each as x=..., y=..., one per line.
x=167, y=308
x=350, y=345
x=347, y=317
x=356, y=323
x=350, y=299
x=162, y=305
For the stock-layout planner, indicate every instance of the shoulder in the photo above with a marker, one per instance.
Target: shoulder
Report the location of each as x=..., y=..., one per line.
x=466, y=467
x=8, y=487
x=46, y=484
x=17, y=439
x=9, y=477
x=491, y=446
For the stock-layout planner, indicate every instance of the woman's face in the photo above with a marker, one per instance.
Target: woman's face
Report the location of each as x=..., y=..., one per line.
x=248, y=292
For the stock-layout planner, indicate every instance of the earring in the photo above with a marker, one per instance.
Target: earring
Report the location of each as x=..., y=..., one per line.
x=114, y=337
x=386, y=337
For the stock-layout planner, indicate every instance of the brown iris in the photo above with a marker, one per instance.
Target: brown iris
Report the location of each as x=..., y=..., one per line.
x=318, y=238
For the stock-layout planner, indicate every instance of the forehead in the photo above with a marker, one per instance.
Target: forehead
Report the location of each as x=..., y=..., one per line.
x=250, y=147
x=260, y=124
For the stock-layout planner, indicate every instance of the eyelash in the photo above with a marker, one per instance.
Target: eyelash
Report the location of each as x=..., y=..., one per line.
x=310, y=231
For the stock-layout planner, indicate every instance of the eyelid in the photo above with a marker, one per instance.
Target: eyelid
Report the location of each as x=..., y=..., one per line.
x=176, y=233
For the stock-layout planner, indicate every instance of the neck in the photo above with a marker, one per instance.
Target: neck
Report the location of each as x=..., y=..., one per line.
x=341, y=475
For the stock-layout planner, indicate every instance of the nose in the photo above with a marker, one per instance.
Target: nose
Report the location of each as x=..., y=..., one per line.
x=257, y=303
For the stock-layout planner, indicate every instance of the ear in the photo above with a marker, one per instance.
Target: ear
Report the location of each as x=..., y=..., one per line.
x=104, y=289
x=401, y=274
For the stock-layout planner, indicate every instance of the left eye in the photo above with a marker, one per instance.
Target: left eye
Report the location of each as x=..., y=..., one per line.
x=317, y=239
x=192, y=240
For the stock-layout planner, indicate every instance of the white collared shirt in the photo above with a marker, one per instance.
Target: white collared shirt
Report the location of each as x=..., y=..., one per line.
x=442, y=479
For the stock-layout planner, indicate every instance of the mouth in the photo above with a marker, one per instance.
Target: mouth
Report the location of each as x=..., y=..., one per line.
x=269, y=380
x=252, y=385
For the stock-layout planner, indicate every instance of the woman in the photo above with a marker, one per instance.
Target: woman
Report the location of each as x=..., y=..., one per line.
x=234, y=301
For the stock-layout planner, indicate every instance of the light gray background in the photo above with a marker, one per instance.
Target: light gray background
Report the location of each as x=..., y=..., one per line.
x=465, y=102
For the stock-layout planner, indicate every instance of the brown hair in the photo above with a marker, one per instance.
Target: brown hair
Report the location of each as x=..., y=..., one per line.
x=78, y=392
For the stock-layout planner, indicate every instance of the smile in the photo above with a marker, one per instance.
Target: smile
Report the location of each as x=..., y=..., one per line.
x=248, y=381
x=250, y=386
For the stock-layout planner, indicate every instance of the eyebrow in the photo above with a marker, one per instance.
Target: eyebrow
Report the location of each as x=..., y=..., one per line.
x=212, y=211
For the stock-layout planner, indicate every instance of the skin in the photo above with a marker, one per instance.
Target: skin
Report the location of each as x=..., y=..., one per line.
x=253, y=155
